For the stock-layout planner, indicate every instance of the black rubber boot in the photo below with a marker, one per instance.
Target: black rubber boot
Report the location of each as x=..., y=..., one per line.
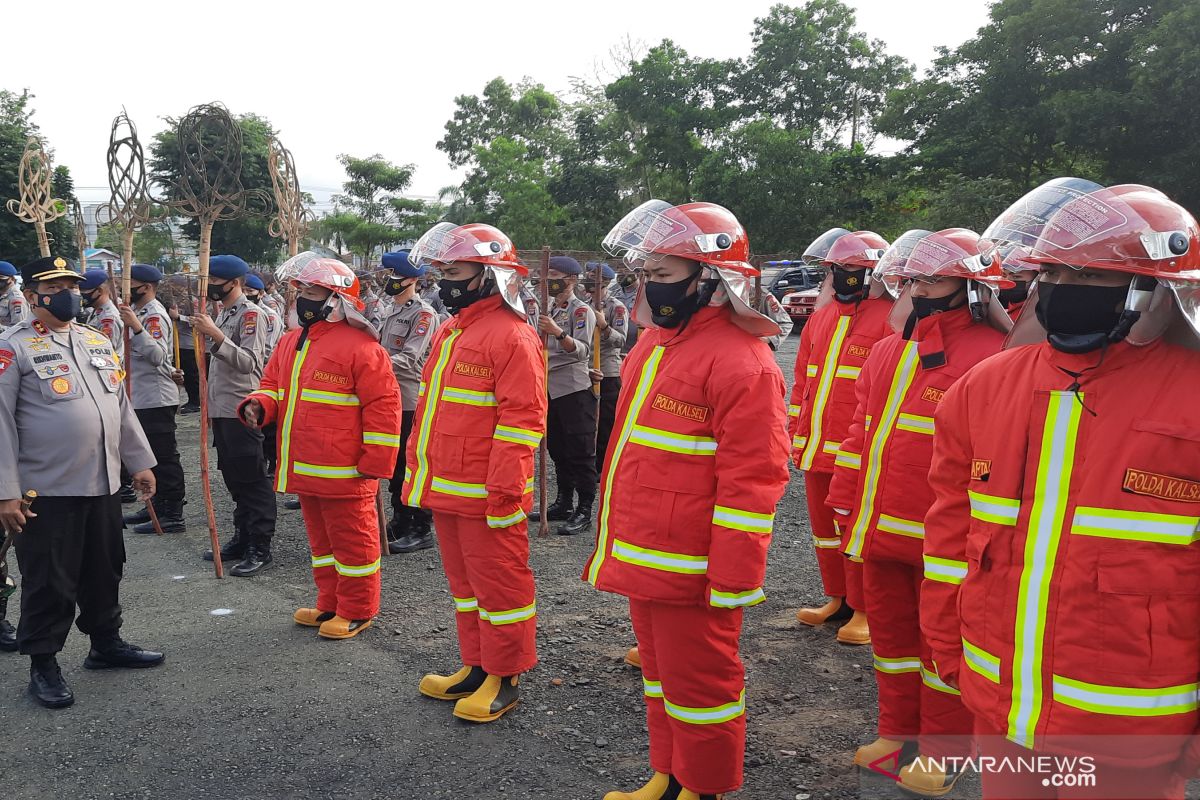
x=291, y=503
x=258, y=558
x=233, y=550
x=113, y=652
x=46, y=682
x=400, y=526
x=135, y=518
x=580, y=519
x=560, y=509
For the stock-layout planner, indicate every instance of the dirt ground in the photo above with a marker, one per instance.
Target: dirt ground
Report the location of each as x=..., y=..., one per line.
x=250, y=705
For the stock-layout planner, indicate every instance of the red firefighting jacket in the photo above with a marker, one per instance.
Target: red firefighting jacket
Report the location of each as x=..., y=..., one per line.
x=697, y=463
x=880, y=474
x=1062, y=570
x=833, y=347
x=337, y=408
x=480, y=417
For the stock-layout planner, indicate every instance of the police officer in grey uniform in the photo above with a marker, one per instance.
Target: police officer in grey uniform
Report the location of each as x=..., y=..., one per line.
x=613, y=322
x=237, y=342
x=95, y=291
x=181, y=308
x=571, y=420
x=12, y=306
x=154, y=385
x=431, y=293
x=255, y=292
x=406, y=334
x=61, y=389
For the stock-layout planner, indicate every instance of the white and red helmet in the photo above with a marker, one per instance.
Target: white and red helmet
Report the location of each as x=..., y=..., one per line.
x=447, y=243
x=312, y=269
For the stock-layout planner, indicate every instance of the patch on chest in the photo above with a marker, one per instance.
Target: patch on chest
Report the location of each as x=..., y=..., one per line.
x=60, y=386
x=981, y=468
x=1163, y=487
x=933, y=394
x=472, y=370
x=679, y=408
x=330, y=377
x=858, y=351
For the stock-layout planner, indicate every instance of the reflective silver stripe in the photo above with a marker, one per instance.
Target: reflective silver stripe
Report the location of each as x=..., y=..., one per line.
x=915, y=423
x=329, y=398
x=672, y=442
x=793, y=411
x=707, y=715
x=827, y=544
x=848, y=372
x=505, y=522
x=507, y=433
x=901, y=527
x=847, y=460
x=468, y=397
x=466, y=605
x=741, y=520
x=1136, y=526
x=357, y=571
x=680, y=563
x=816, y=419
x=509, y=617
x=897, y=666
x=933, y=681
x=384, y=439
x=988, y=508
x=322, y=561
x=946, y=570
x=271, y=393
x=736, y=599
x=324, y=470
x=981, y=661
x=652, y=688
x=1126, y=701
x=458, y=488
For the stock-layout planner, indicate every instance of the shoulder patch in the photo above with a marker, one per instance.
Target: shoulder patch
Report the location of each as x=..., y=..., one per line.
x=423, y=321
x=106, y=327
x=154, y=327
x=581, y=318
x=6, y=359
x=249, y=323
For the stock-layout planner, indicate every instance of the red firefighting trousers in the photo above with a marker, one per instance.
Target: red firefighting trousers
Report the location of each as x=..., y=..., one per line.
x=840, y=576
x=695, y=692
x=492, y=585
x=1012, y=782
x=914, y=703
x=343, y=533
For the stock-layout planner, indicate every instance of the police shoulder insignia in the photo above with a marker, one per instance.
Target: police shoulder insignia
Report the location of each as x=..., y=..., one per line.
x=249, y=323
x=154, y=326
x=581, y=318
x=423, y=323
x=106, y=327
x=6, y=358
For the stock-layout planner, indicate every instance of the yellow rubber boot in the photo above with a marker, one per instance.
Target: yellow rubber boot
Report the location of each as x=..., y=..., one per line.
x=452, y=687
x=660, y=786
x=819, y=616
x=495, y=697
x=342, y=628
x=312, y=617
x=871, y=753
x=927, y=779
x=633, y=658
x=856, y=631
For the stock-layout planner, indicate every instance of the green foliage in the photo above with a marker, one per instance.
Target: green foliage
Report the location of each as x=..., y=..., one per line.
x=18, y=240
x=372, y=213
x=247, y=237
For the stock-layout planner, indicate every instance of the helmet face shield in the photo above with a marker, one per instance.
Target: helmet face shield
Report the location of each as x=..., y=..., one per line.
x=446, y=243
x=816, y=252
x=703, y=232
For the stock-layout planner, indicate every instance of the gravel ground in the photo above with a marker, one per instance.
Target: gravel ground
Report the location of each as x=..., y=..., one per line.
x=250, y=705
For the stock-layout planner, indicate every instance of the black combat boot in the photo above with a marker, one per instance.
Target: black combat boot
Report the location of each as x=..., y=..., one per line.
x=418, y=537
x=580, y=520
x=113, y=652
x=257, y=558
x=560, y=509
x=233, y=550
x=8, y=634
x=135, y=518
x=46, y=682
x=170, y=519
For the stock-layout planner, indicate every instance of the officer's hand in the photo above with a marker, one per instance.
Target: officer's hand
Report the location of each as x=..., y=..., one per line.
x=174, y=312
x=252, y=413
x=129, y=317
x=143, y=484
x=13, y=515
x=177, y=376
x=204, y=324
x=596, y=375
x=601, y=322
x=547, y=326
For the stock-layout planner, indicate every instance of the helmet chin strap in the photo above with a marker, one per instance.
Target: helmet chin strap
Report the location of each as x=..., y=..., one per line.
x=978, y=298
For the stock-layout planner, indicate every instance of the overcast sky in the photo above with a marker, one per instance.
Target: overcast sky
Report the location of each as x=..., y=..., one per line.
x=361, y=76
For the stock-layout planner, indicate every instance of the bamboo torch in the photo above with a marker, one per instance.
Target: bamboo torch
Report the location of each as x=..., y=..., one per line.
x=544, y=295
x=36, y=203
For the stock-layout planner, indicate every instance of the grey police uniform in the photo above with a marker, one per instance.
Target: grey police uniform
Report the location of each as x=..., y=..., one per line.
x=571, y=419
x=234, y=372
x=156, y=401
x=407, y=334
x=13, y=308
x=274, y=325
x=612, y=351
x=66, y=427
x=106, y=319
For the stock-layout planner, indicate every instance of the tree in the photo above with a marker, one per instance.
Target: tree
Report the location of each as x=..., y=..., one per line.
x=810, y=71
x=153, y=244
x=517, y=201
x=530, y=115
x=376, y=214
x=247, y=237
x=18, y=240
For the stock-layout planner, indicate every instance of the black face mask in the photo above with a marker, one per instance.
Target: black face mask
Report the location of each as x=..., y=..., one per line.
x=1014, y=295
x=254, y=298
x=63, y=306
x=395, y=286
x=670, y=304
x=5, y=286
x=136, y=295
x=848, y=284
x=627, y=280
x=310, y=311
x=928, y=306
x=456, y=296
x=90, y=299
x=556, y=286
x=1079, y=318
x=218, y=293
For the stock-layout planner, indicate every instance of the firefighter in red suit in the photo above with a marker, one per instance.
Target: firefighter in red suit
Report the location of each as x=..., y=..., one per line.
x=698, y=461
x=833, y=346
x=330, y=390
x=1061, y=553
x=942, y=318
x=479, y=420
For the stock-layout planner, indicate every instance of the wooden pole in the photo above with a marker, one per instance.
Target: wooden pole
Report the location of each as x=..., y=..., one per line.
x=206, y=226
x=381, y=516
x=544, y=292
x=126, y=269
x=598, y=307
